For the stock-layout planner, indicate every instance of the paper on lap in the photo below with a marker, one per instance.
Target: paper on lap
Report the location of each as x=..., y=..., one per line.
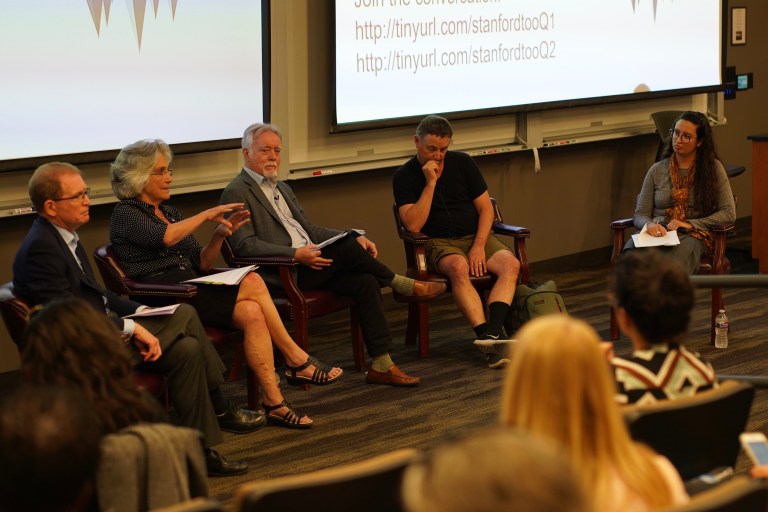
x=643, y=239
x=228, y=277
x=165, y=310
x=339, y=237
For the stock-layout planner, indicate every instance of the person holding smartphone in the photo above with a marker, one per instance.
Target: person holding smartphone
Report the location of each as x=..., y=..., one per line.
x=755, y=445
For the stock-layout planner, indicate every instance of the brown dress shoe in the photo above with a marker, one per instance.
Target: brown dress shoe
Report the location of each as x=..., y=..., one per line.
x=422, y=291
x=393, y=377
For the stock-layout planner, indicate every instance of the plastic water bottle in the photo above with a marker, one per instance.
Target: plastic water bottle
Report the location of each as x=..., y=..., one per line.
x=721, y=330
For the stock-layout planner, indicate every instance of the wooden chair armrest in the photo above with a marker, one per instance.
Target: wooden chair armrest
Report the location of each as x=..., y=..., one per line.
x=412, y=237
x=720, y=239
x=414, y=244
x=265, y=261
x=622, y=224
x=510, y=230
x=176, y=290
x=618, y=227
x=722, y=228
x=285, y=266
x=628, y=223
x=291, y=287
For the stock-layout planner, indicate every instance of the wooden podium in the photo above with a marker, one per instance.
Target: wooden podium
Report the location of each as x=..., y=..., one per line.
x=760, y=200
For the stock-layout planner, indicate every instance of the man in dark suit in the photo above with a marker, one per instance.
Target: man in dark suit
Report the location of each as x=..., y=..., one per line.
x=52, y=263
x=348, y=267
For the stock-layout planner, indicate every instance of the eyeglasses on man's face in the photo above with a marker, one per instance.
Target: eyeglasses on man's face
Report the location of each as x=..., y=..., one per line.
x=162, y=172
x=80, y=196
x=684, y=137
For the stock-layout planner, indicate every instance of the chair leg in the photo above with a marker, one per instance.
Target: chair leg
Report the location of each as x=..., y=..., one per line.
x=358, y=348
x=717, y=305
x=423, y=329
x=301, y=337
x=237, y=363
x=252, y=386
x=251, y=383
x=614, y=329
x=166, y=398
x=412, y=329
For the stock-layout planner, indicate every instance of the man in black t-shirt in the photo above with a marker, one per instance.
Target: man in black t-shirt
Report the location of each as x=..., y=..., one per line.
x=442, y=193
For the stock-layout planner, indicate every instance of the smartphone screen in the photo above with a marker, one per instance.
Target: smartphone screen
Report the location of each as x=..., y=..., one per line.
x=760, y=449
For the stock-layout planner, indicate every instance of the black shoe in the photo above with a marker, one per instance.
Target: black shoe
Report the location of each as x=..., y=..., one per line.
x=496, y=361
x=493, y=345
x=240, y=421
x=219, y=466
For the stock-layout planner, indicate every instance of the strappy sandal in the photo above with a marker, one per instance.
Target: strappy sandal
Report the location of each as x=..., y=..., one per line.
x=321, y=376
x=291, y=419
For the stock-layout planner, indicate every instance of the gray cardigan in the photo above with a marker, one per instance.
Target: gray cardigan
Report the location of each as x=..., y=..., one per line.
x=150, y=465
x=656, y=196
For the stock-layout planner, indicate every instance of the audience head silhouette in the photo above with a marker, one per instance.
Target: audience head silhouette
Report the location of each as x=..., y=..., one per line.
x=49, y=450
x=652, y=295
x=68, y=343
x=491, y=470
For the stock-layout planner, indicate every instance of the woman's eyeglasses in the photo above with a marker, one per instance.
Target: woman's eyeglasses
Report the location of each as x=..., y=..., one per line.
x=677, y=134
x=161, y=172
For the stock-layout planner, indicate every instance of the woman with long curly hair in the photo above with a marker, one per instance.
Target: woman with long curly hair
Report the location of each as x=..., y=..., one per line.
x=68, y=343
x=687, y=191
x=559, y=387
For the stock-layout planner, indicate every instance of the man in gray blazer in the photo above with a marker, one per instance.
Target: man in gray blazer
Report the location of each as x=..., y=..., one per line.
x=51, y=263
x=348, y=267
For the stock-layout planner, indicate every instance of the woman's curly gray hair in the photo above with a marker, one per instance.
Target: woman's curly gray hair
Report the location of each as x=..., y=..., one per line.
x=130, y=171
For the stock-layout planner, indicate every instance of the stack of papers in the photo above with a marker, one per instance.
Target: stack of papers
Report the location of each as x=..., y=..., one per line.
x=165, y=310
x=338, y=237
x=644, y=239
x=228, y=277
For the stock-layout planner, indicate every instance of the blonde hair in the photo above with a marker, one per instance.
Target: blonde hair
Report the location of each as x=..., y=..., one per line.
x=558, y=385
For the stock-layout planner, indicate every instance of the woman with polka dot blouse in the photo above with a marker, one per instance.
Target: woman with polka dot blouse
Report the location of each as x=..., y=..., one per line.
x=155, y=244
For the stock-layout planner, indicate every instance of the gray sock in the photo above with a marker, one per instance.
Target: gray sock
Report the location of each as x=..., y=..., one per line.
x=382, y=362
x=402, y=284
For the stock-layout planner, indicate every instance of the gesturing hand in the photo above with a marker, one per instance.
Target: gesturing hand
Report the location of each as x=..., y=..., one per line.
x=218, y=213
x=236, y=221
